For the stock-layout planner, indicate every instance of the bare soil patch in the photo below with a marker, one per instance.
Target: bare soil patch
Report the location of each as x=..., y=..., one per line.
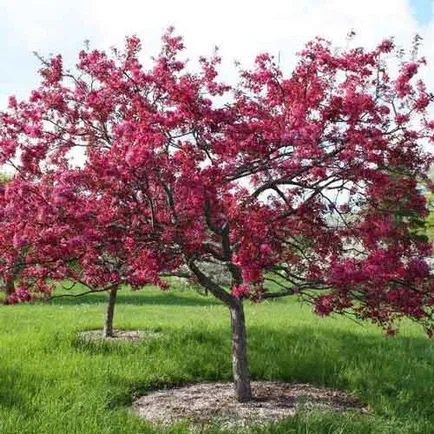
x=119, y=335
x=205, y=403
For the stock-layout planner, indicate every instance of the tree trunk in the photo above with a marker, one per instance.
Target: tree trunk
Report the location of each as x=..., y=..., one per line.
x=108, y=323
x=243, y=391
x=9, y=287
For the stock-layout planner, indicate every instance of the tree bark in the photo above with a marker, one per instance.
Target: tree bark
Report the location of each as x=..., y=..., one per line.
x=9, y=287
x=243, y=391
x=108, y=323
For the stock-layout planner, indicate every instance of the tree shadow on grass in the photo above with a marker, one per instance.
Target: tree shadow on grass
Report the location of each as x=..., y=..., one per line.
x=11, y=391
x=139, y=299
x=393, y=376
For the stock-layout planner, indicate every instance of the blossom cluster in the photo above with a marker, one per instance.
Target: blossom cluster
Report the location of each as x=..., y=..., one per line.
x=309, y=179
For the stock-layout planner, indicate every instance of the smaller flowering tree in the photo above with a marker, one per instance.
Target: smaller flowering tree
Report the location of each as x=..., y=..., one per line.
x=53, y=230
x=306, y=182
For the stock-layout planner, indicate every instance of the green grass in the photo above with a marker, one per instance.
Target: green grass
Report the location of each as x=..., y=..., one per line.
x=51, y=383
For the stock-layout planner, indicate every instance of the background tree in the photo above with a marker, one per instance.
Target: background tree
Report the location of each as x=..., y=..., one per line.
x=50, y=233
x=290, y=181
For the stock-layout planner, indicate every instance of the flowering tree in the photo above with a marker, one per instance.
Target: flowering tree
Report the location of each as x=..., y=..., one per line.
x=306, y=183
x=49, y=235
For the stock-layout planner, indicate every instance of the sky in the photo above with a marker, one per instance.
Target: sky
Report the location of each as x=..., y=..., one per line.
x=241, y=29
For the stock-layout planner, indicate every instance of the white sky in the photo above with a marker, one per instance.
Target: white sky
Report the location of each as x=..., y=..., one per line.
x=241, y=29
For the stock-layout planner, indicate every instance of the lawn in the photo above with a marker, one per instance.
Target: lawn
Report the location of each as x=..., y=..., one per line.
x=50, y=382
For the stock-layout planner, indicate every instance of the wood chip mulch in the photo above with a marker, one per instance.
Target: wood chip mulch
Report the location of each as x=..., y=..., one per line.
x=205, y=403
x=119, y=335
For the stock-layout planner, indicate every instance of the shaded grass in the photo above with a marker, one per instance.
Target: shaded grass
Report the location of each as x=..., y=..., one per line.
x=51, y=382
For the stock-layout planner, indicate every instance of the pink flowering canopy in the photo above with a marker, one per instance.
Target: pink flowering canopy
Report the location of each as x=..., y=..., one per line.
x=308, y=182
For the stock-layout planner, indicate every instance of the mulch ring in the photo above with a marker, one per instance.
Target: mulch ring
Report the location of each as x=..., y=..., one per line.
x=204, y=403
x=119, y=335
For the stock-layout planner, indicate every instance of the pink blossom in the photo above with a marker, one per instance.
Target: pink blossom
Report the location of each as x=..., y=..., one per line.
x=240, y=291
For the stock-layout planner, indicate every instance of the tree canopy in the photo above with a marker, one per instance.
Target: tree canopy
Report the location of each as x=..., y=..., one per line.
x=288, y=182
